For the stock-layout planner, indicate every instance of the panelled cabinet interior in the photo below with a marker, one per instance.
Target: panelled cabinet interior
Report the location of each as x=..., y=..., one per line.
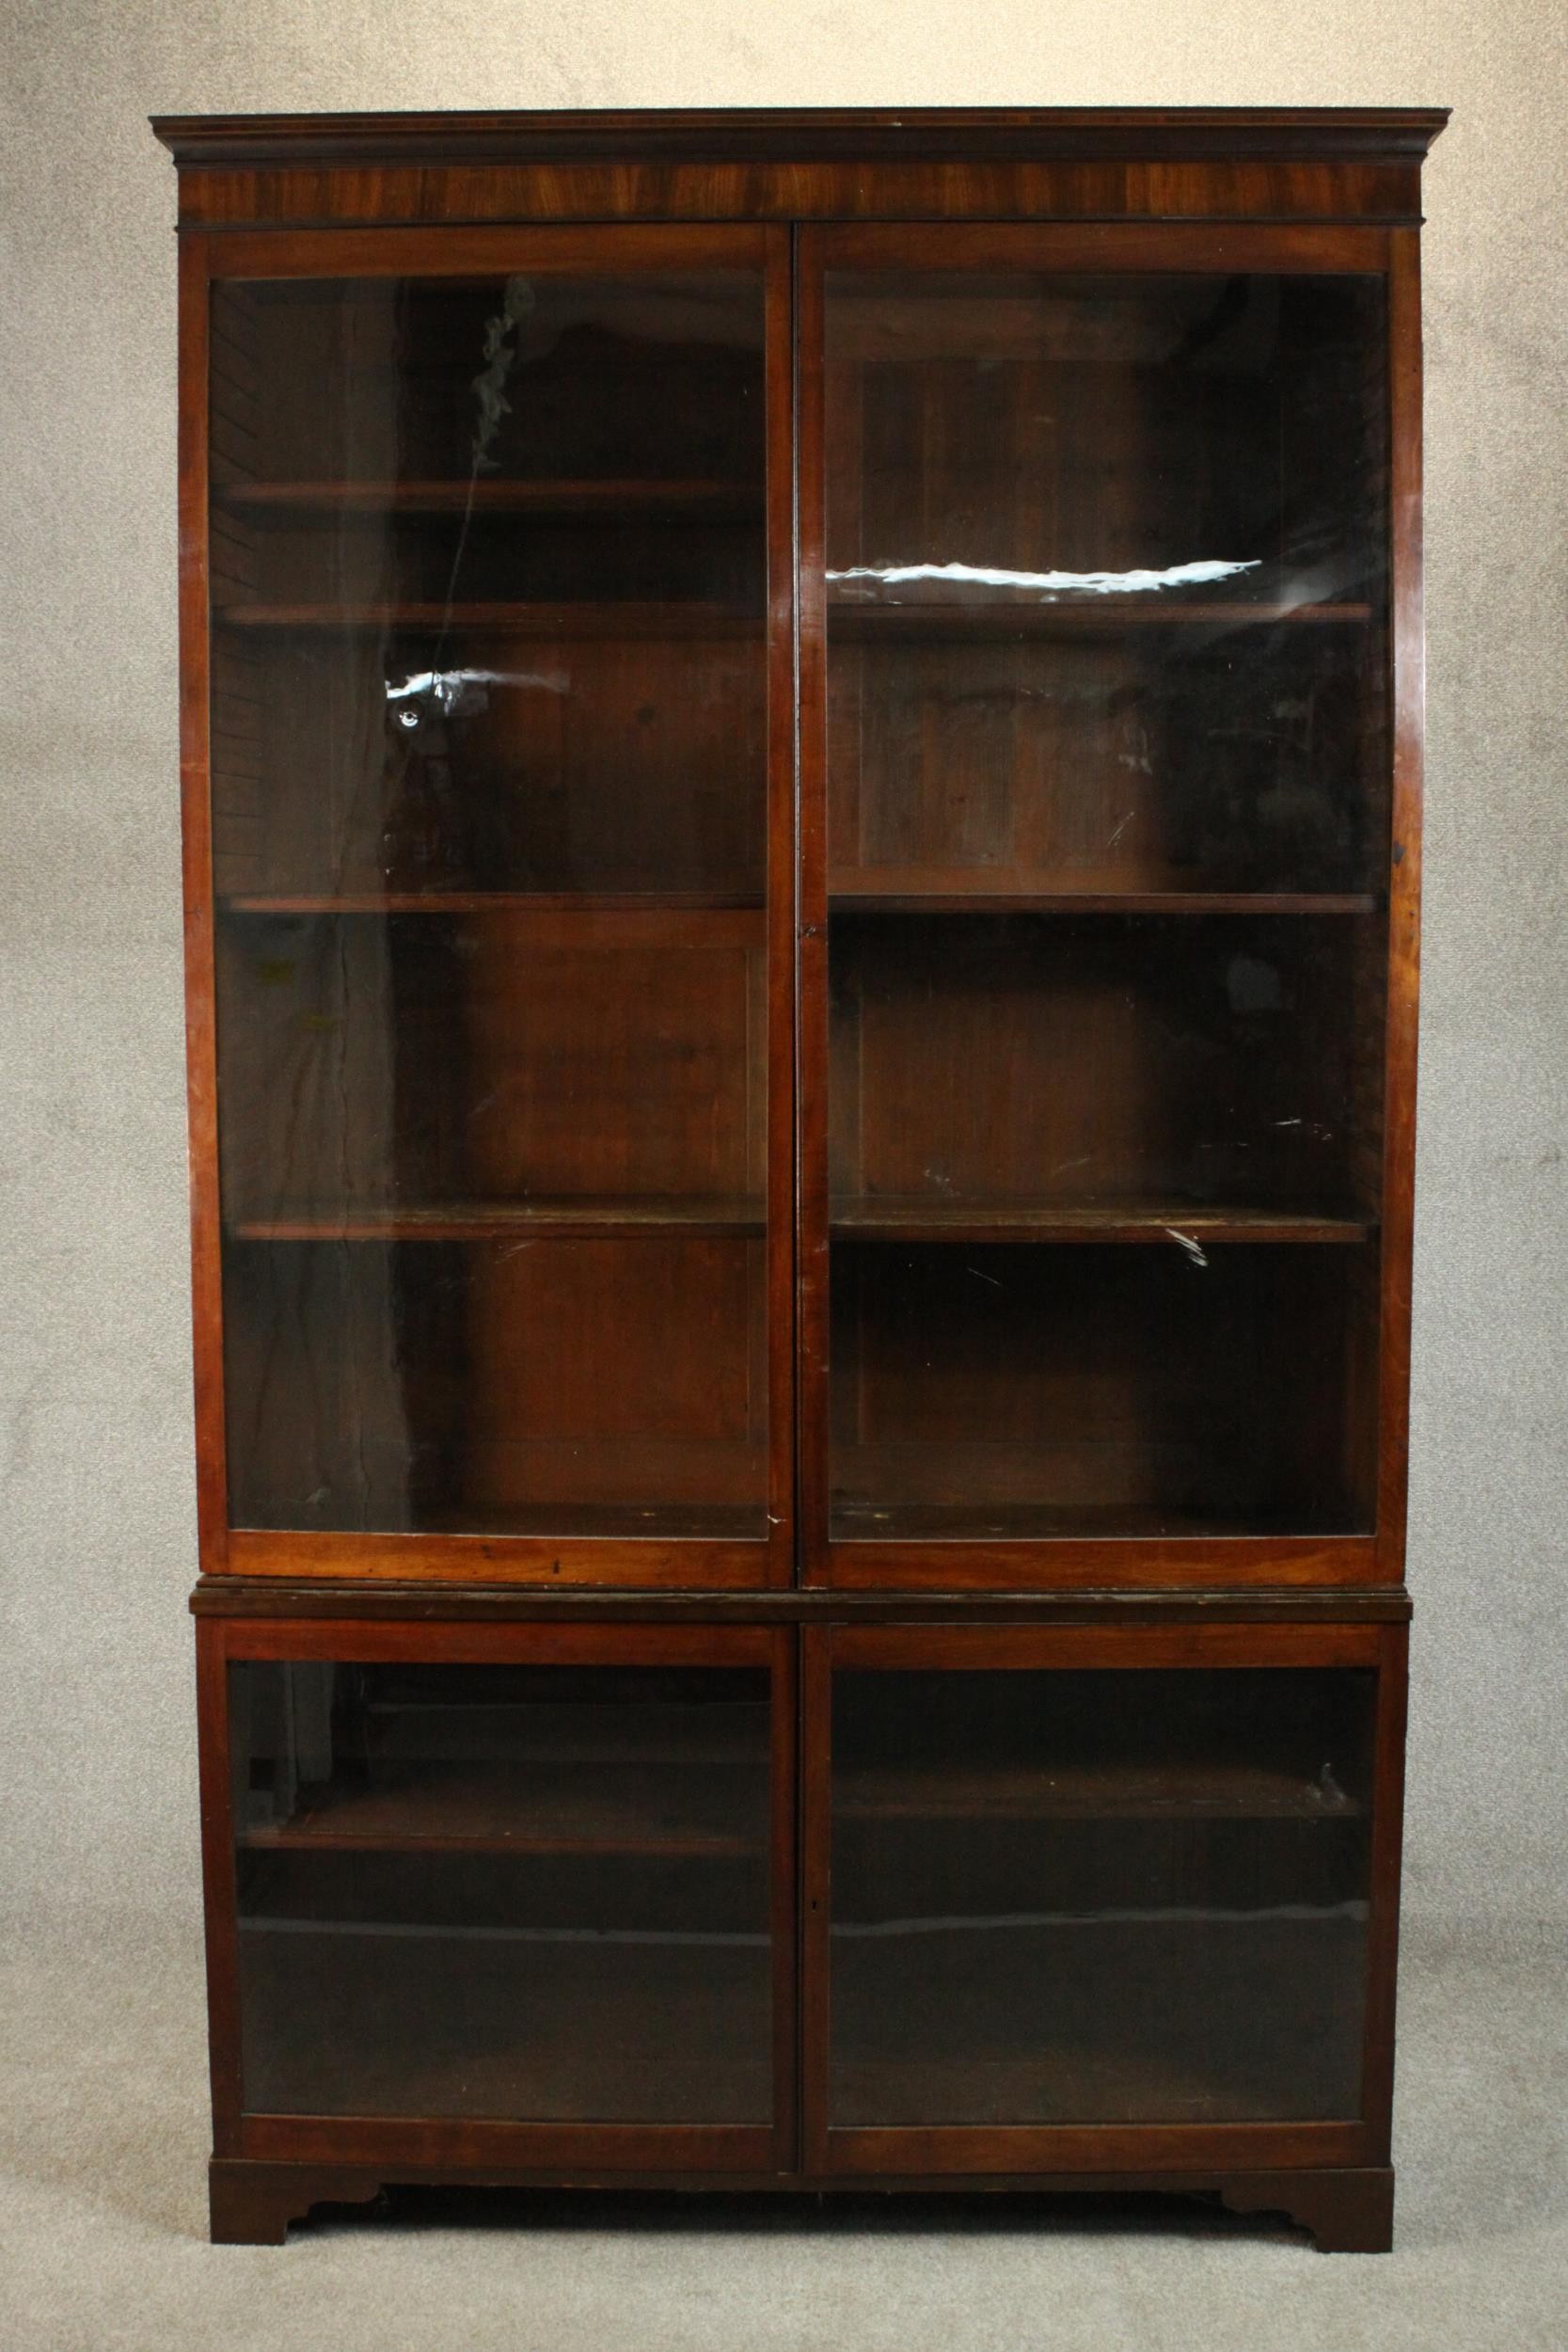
x=802, y=780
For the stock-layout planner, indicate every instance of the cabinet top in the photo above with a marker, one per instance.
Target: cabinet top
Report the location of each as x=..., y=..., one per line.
x=1363, y=135
x=1216, y=166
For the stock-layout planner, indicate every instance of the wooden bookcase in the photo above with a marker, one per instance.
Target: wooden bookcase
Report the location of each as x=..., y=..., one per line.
x=801, y=784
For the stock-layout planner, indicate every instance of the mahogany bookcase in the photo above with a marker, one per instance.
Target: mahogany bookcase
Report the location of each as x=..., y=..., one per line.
x=801, y=746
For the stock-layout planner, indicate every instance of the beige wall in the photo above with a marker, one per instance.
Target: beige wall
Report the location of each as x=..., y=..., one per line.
x=97, y=1542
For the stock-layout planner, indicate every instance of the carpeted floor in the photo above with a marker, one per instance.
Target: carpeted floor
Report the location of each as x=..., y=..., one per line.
x=103, y=2215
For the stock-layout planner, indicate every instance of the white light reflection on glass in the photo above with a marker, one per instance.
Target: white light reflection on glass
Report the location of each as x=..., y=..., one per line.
x=1051, y=583
x=461, y=690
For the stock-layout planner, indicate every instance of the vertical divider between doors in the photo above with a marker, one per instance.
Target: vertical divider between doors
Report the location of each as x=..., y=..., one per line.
x=817, y=1716
x=779, y=345
x=812, y=965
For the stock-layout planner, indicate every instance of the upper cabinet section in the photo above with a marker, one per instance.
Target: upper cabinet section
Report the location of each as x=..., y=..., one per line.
x=801, y=750
x=1107, y=561
x=491, y=554
x=490, y=650
x=1097, y=777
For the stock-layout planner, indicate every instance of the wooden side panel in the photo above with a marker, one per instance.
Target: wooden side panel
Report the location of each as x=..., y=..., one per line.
x=201, y=987
x=1377, y=2094
x=215, y=1736
x=1405, y=896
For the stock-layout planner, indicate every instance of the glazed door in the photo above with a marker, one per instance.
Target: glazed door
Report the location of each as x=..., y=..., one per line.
x=499, y=747
x=1083, y=1897
x=1095, y=903
x=522, y=1892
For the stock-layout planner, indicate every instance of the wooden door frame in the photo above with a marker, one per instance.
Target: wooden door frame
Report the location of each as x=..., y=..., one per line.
x=1016, y=2149
x=409, y=2143
x=1373, y=1558
x=209, y=256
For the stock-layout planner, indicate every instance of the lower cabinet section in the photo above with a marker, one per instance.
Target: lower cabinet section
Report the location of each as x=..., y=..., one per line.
x=1068, y=1897
x=1089, y=1896
x=524, y=1890
x=1010, y=1903
x=532, y=1878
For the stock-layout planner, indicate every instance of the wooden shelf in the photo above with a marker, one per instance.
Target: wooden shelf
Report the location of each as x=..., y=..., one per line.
x=584, y=619
x=616, y=1523
x=1219, y=1790
x=525, y=2023
x=1074, y=616
x=850, y=896
x=589, y=1220
x=1222, y=2015
x=527, y=1808
x=493, y=495
x=863, y=1521
x=927, y=890
x=494, y=903
x=1174, y=1223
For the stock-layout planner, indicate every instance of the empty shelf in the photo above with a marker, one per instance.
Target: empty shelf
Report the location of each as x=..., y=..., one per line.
x=528, y=1808
x=589, y=1220
x=1217, y=1790
x=1070, y=616
x=491, y=495
x=1178, y=1224
x=603, y=619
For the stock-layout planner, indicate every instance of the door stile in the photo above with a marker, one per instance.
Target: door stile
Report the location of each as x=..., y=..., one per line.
x=779, y=359
x=813, y=965
x=817, y=1783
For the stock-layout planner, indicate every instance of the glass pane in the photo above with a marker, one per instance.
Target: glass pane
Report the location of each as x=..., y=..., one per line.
x=528, y=1892
x=1020, y=1392
x=1136, y=1896
x=489, y=823
x=1107, y=821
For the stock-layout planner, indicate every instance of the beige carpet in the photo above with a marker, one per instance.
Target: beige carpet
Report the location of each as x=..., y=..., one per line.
x=103, y=2212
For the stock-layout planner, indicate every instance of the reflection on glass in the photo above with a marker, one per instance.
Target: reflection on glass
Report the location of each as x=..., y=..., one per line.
x=533, y=1893
x=489, y=801
x=1088, y=1897
x=1107, y=818
x=1052, y=583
